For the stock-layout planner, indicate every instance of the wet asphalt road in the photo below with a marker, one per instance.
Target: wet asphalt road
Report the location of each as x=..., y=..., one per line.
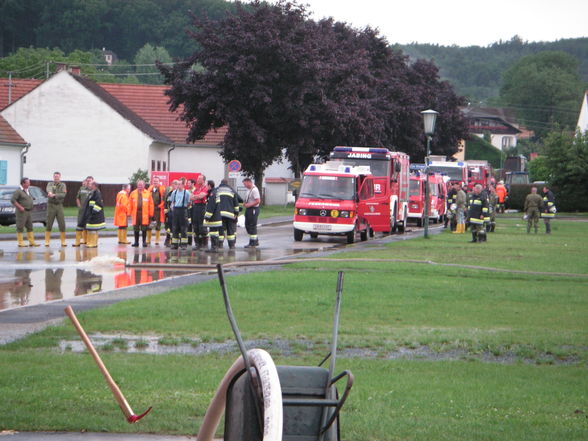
x=37, y=283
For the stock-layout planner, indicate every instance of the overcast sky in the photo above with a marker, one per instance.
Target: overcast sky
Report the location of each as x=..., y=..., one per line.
x=460, y=22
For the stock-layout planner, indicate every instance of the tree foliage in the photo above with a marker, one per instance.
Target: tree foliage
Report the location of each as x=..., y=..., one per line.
x=147, y=56
x=545, y=89
x=567, y=161
x=282, y=81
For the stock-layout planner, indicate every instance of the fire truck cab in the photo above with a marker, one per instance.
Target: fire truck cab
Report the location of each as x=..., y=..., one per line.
x=388, y=210
x=479, y=172
x=453, y=171
x=437, y=197
x=329, y=201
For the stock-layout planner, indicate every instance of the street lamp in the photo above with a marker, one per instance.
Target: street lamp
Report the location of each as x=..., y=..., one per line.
x=429, y=118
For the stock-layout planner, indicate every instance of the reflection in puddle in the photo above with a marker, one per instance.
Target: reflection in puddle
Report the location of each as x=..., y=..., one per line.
x=29, y=277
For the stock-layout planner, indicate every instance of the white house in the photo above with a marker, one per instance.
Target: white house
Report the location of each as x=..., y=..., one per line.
x=583, y=118
x=492, y=121
x=80, y=127
x=12, y=146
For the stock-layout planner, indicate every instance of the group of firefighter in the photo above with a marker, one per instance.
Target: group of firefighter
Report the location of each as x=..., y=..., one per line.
x=477, y=209
x=192, y=213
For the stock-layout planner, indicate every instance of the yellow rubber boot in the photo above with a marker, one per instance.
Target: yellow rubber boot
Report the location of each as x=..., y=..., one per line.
x=149, y=233
x=157, y=236
x=78, y=240
x=62, y=237
x=31, y=238
x=123, y=236
x=47, y=238
x=20, y=240
x=84, y=237
x=90, y=239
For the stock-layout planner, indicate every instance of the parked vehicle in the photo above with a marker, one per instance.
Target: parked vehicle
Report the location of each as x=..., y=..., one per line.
x=388, y=209
x=437, y=198
x=7, y=210
x=454, y=171
x=329, y=202
x=479, y=172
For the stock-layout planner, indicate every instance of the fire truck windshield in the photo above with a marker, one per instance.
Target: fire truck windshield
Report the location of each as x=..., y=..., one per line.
x=378, y=167
x=415, y=187
x=454, y=173
x=328, y=187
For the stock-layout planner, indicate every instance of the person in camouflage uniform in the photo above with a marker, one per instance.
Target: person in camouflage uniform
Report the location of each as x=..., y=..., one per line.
x=533, y=204
x=492, y=208
x=23, y=202
x=56, y=192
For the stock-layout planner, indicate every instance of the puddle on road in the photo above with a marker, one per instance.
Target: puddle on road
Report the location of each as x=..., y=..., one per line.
x=33, y=276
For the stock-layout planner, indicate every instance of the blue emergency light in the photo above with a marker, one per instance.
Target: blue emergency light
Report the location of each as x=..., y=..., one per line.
x=347, y=169
x=312, y=168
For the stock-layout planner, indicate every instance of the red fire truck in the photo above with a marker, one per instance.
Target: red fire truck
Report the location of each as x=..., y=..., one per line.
x=166, y=178
x=437, y=197
x=454, y=171
x=479, y=172
x=388, y=210
x=330, y=199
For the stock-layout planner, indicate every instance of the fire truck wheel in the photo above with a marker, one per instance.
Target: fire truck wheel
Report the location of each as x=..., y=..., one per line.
x=394, y=221
x=298, y=234
x=351, y=236
x=402, y=225
x=364, y=234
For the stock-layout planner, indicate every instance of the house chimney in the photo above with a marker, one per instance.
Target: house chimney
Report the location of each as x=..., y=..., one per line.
x=75, y=70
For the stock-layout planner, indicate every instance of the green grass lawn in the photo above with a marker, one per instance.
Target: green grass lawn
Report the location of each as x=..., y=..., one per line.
x=504, y=356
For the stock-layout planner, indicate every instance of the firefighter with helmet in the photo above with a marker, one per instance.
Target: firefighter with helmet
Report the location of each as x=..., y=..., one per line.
x=477, y=212
x=549, y=209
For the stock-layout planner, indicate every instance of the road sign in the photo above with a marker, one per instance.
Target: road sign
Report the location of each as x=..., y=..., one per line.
x=234, y=166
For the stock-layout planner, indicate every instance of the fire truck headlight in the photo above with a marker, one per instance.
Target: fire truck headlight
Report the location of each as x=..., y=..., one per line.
x=346, y=214
x=302, y=211
x=334, y=213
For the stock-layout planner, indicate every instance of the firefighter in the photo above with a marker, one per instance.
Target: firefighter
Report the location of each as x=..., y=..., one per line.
x=199, y=199
x=450, y=217
x=251, y=204
x=212, y=217
x=179, y=201
x=121, y=214
x=23, y=202
x=460, y=208
x=141, y=211
x=533, y=204
x=93, y=217
x=157, y=191
x=492, y=207
x=478, y=210
x=190, y=186
x=56, y=192
x=229, y=211
x=81, y=198
x=168, y=212
x=549, y=209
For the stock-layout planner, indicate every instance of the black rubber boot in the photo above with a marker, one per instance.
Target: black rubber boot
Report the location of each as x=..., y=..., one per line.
x=231, y=244
x=144, y=237
x=136, y=242
x=547, y=228
x=213, y=244
x=474, y=237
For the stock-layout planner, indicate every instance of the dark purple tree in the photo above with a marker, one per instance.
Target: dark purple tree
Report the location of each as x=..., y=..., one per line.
x=283, y=82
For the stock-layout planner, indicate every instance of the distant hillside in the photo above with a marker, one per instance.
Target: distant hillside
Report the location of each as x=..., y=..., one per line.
x=476, y=71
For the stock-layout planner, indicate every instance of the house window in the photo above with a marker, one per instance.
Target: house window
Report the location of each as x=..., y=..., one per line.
x=506, y=142
x=158, y=165
x=152, y=165
x=3, y=172
x=164, y=166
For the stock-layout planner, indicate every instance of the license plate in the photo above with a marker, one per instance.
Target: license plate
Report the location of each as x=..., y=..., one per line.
x=321, y=227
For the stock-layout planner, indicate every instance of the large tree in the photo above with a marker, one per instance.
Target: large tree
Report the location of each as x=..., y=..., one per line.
x=545, y=89
x=282, y=81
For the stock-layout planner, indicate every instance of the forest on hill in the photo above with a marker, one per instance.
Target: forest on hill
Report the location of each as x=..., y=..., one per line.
x=477, y=72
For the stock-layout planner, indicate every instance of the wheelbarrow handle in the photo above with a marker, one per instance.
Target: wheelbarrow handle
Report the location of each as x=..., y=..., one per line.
x=348, y=387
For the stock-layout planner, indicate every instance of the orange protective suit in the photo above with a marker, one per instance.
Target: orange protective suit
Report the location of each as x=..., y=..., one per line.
x=161, y=189
x=501, y=193
x=147, y=207
x=121, y=209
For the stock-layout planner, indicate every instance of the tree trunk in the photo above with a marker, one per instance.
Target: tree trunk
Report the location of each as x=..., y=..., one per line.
x=258, y=178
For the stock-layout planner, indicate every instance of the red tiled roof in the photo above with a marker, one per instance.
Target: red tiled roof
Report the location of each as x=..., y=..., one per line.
x=147, y=102
x=151, y=104
x=8, y=135
x=11, y=90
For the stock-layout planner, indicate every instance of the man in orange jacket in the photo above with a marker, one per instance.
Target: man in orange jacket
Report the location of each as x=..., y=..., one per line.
x=502, y=194
x=141, y=211
x=121, y=214
x=157, y=192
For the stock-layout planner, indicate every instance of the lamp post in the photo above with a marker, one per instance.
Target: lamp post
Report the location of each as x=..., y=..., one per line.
x=429, y=118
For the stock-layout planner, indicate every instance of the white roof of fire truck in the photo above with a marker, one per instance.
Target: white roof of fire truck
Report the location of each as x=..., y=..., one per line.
x=331, y=167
